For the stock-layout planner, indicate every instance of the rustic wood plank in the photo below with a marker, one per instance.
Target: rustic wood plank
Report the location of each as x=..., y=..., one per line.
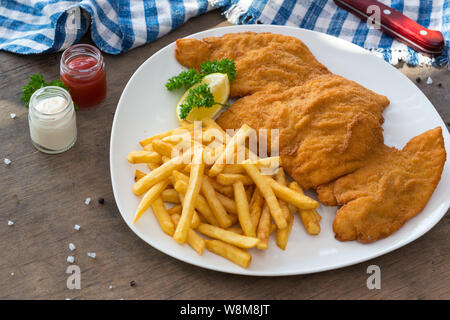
x=44, y=195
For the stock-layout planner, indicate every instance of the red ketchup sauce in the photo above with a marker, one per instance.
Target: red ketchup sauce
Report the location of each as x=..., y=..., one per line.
x=83, y=71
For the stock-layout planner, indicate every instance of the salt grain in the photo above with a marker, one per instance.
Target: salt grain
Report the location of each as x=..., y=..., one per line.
x=12, y=115
x=72, y=246
x=87, y=201
x=7, y=161
x=92, y=255
x=12, y=274
x=10, y=223
x=110, y=287
x=429, y=80
x=76, y=227
x=70, y=259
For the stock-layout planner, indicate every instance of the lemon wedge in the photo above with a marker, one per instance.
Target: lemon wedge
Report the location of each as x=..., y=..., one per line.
x=219, y=85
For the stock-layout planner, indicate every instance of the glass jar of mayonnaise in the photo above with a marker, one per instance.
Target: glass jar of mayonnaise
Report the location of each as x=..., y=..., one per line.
x=51, y=117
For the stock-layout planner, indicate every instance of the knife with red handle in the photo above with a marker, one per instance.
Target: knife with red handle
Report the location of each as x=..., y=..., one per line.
x=399, y=26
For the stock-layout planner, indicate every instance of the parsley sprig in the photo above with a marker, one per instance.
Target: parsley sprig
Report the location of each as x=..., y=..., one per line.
x=188, y=78
x=185, y=79
x=36, y=82
x=200, y=96
x=222, y=66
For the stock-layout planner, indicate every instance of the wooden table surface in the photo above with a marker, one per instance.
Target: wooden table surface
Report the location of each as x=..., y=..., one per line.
x=44, y=195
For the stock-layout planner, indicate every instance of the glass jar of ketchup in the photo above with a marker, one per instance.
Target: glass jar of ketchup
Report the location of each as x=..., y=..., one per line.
x=83, y=71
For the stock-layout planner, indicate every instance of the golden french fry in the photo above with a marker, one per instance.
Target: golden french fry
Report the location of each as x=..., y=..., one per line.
x=202, y=219
x=208, y=122
x=185, y=123
x=243, y=211
x=317, y=215
x=234, y=218
x=235, y=255
x=195, y=182
x=209, y=155
x=249, y=192
x=227, y=203
x=211, y=134
x=225, y=190
x=139, y=175
x=195, y=217
x=195, y=220
x=201, y=204
x=163, y=217
x=160, y=173
x=187, y=169
x=148, y=147
x=180, y=176
x=299, y=200
x=163, y=148
x=215, y=154
x=263, y=231
x=194, y=240
x=181, y=187
x=170, y=195
x=280, y=177
x=268, y=162
x=228, y=236
x=237, y=140
x=283, y=234
x=228, y=179
x=214, y=203
x=147, y=141
x=175, y=209
x=233, y=168
x=273, y=228
x=268, y=194
x=292, y=209
x=237, y=230
x=153, y=166
x=177, y=138
x=294, y=186
x=256, y=207
x=309, y=220
x=150, y=196
x=142, y=156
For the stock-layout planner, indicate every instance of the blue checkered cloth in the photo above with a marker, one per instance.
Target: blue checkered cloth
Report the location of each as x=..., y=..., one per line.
x=116, y=26
x=325, y=16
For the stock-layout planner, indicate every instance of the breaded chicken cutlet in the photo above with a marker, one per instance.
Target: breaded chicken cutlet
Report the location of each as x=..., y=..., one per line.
x=328, y=125
x=262, y=60
x=391, y=188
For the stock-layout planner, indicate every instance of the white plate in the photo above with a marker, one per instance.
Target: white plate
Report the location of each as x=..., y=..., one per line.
x=147, y=108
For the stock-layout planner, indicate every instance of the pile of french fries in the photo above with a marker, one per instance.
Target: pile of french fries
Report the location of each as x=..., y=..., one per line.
x=234, y=205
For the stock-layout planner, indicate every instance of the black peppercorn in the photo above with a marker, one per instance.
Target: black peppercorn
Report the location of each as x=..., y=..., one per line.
x=101, y=201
